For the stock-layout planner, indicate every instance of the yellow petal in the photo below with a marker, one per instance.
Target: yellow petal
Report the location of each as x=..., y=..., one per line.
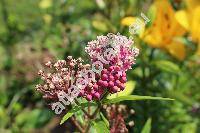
x=133, y=22
x=176, y=49
x=127, y=21
x=191, y=4
x=195, y=25
x=182, y=18
x=153, y=38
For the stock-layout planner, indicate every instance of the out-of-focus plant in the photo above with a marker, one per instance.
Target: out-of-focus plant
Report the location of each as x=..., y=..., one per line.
x=190, y=20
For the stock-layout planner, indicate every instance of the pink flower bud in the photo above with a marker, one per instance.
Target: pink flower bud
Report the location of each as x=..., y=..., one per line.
x=111, y=84
x=121, y=86
x=89, y=97
x=124, y=74
x=105, y=84
x=117, y=82
x=117, y=68
x=81, y=93
x=110, y=68
x=115, y=89
x=104, y=71
x=95, y=86
x=111, y=78
x=92, y=92
x=100, y=82
x=104, y=77
x=97, y=95
x=123, y=80
x=117, y=76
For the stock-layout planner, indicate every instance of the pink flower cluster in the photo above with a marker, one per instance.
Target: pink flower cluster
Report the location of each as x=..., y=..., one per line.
x=115, y=55
x=111, y=56
x=113, y=50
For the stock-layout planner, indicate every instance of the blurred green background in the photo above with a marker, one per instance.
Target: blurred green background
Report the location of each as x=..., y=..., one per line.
x=35, y=31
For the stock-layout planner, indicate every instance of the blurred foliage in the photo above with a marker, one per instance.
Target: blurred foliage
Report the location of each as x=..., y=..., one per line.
x=35, y=31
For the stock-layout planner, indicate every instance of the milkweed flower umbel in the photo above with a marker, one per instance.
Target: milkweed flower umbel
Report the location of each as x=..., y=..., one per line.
x=111, y=56
x=63, y=74
x=113, y=50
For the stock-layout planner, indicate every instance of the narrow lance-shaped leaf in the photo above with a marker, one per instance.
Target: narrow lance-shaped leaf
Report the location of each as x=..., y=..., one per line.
x=104, y=119
x=147, y=126
x=134, y=98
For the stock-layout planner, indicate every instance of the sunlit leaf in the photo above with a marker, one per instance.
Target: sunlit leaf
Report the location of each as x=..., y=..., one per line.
x=130, y=86
x=133, y=98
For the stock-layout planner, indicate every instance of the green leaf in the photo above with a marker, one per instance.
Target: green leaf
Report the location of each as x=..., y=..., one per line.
x=167, y=66
x=79, y=116
x=99, y=25
x=74, y=110
x=104, y=119
x=100, y=127
x=133, y=97
x=147, y=126
x=130, y=86
x=67, y=116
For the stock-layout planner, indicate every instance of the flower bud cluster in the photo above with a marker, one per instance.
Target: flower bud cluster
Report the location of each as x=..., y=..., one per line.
x=111, y=79
x=64, y=75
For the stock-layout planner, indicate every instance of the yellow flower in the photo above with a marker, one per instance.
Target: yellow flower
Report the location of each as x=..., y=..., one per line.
x=165, y=29
x=190, y=19
x=130, y=21
x=127, y=21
